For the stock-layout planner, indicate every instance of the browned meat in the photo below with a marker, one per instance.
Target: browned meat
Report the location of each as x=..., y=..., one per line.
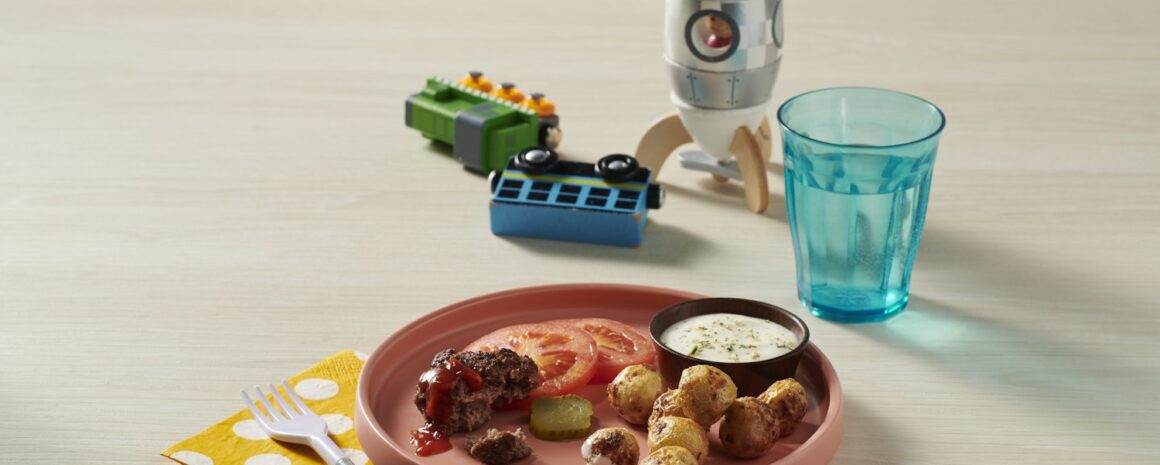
x=464, y=405
x=511, y=375
x=498, y=447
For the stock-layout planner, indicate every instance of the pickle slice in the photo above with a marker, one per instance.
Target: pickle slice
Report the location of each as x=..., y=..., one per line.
x=561, y=418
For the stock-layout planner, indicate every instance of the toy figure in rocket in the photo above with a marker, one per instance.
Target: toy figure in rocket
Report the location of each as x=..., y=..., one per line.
x=721, y=34
x=722, y=57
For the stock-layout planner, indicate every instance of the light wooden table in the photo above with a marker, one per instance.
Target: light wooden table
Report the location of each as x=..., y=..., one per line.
x=200, y=195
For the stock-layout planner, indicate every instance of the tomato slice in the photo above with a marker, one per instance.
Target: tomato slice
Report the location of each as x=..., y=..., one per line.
x=619, y=346
x=566, y=355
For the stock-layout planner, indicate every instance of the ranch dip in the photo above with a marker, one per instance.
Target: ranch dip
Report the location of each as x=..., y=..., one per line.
x=725, y=337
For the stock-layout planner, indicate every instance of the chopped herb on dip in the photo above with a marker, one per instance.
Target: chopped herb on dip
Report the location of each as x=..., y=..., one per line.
x=726, y=337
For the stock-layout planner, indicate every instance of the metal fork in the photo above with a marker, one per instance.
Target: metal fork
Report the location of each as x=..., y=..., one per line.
x=298, y=426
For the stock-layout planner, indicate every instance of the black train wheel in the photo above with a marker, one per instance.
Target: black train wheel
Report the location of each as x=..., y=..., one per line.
x=655, y=197
x=536, y=159
x=493, y=179
x=617, y=167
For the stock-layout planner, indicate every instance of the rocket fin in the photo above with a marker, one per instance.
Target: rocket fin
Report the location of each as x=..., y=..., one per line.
x=751, y=162
x=661, y=139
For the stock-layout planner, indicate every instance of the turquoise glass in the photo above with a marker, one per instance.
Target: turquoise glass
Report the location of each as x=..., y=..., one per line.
x=858, y=164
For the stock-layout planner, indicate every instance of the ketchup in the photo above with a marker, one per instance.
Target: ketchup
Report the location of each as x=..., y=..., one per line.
x=431, y=440
x=435, y=436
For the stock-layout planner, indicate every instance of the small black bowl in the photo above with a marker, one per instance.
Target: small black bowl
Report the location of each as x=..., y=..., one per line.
x=751, y=378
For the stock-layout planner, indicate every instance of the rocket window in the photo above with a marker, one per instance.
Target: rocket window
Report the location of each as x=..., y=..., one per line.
x=712, y=35
x=778, y=30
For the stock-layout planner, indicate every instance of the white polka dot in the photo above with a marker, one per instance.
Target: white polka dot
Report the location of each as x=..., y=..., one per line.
x=268, y=459
x=316, y=388
x=337, y=423
x=357, y=456
x=249, y=429
x=189, y=457
x=361, y=355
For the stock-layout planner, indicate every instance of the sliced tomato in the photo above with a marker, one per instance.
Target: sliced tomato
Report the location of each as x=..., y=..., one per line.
x=566, y=355
x=619, y=346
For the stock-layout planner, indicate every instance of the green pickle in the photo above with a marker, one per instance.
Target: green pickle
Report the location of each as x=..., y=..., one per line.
x=561, y=418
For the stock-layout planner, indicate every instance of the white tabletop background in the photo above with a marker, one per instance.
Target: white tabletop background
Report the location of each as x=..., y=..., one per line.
x=196, y=196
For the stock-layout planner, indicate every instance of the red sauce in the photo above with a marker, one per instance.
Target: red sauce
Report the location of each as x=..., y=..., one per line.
x=430, y=440
x=439, y=381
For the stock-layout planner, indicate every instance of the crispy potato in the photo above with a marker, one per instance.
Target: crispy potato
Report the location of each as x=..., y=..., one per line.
x=670, y=455
x=667, y=406
x=788, y=399
x=706, y=393
x=677, y=431
x=633, y=392
x=610, y=446
x=749, y=429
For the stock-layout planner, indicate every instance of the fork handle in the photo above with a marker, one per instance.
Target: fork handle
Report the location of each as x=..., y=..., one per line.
x=329, y=451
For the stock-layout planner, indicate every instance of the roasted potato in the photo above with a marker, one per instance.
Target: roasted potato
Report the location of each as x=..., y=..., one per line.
x=788, y=399
x=749, y=428
x=670, y=455
x=666, y=406
x=633, y=392
x=610, y=446
x=677, y=431
x=705, y=392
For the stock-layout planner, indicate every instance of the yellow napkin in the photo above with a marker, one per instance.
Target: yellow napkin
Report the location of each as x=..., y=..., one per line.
x=328, y=388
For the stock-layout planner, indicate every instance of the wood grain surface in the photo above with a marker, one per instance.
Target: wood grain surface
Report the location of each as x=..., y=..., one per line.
x=199, y=195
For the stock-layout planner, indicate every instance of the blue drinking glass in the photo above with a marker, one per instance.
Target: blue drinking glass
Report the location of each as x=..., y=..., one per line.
x=858, y=165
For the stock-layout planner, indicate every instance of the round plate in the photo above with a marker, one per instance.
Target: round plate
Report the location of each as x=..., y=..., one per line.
x=385, y=412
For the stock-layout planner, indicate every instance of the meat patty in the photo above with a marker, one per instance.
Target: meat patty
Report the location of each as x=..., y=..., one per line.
x=498, y=447
x=506, y=375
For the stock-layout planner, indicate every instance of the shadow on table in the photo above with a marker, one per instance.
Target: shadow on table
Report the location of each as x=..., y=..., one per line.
x=1038, y=370
x=664, y=244
x=1005, y=271
x=729, y=195
x=441, y=149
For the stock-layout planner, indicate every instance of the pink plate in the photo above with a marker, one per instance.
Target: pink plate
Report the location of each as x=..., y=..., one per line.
x=385, y=413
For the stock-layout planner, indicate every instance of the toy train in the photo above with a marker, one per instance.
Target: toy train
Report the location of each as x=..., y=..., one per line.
x=485, y=124
x=538, y=195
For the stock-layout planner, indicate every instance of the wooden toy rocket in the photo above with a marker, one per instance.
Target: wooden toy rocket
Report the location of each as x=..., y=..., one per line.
x=722, y=57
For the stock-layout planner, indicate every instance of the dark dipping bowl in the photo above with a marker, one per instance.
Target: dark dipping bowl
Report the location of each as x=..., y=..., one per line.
x=751, y=378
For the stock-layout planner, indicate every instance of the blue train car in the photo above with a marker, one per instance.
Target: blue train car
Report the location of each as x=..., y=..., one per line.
x=538, y=195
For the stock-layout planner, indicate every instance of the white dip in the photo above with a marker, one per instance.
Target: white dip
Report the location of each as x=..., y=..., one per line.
x=725, y=337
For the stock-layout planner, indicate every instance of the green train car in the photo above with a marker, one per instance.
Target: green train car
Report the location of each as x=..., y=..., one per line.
x=484, y=130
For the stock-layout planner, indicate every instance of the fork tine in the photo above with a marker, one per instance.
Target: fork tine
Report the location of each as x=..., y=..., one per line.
x=297, y=400
x=291, y=413
x=254, y=409
x=274, y=413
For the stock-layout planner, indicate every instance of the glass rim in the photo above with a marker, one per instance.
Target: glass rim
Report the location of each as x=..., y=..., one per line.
x=941, y=116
